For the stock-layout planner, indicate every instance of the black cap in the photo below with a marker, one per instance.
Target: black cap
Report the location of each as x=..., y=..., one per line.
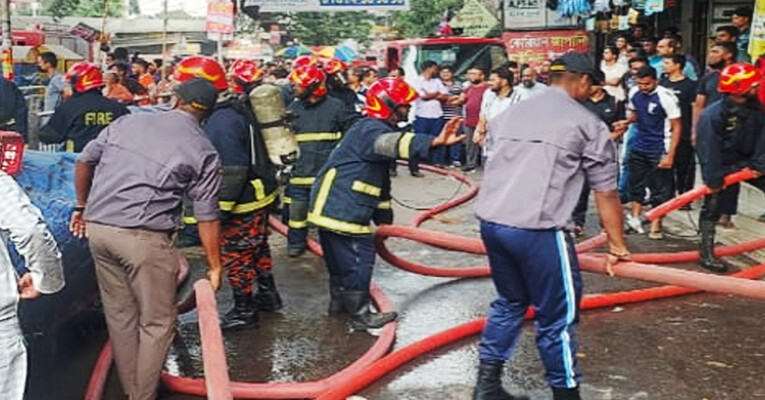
x=576, y=63
x=198, y=93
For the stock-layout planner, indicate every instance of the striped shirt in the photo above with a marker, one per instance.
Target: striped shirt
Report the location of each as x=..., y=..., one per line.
x=455, y=89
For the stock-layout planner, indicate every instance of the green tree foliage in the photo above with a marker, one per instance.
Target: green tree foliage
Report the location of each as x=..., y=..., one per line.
x=323, y=28
x=83, y=8
x=423, y=17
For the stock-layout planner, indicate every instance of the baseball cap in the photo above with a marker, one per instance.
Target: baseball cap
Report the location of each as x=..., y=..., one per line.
x=198, y=93
x=576, y=63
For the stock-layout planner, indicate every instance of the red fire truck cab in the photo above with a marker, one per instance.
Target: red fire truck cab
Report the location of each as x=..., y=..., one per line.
x=459, y=52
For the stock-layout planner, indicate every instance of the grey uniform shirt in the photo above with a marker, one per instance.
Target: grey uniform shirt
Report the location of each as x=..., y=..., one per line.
x=544, y=148
x=145, y=163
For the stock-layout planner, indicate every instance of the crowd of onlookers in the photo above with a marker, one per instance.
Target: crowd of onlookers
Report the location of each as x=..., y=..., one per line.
x=649, y=92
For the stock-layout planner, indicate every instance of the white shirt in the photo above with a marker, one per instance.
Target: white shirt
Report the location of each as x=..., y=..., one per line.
x=617, y=70
x=22, y=224
x=428, y=108
x=524, y=93
x=492, y=106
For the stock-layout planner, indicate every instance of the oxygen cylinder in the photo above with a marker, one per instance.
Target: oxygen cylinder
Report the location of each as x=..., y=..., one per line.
x=269, y=110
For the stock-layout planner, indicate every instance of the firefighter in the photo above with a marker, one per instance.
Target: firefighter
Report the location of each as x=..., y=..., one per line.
x=729, y=137
x=353, y=189
x=80, y=119
x=318, y=122
x=247, y=191
x=337, y=82
x=13, y=108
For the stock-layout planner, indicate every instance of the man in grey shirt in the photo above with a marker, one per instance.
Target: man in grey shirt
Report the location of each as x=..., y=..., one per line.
x=54, y=92
x=530, y=188
x=130, y=181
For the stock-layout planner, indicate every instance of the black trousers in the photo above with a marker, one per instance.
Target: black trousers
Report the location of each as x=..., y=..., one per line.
x=644, y=173
x=685, y=167
x=720, y=203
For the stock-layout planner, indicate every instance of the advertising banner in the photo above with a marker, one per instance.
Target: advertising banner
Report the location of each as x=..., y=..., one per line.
x=220, y=17
x=535, y=47
x=757, y=38
x=329, y=5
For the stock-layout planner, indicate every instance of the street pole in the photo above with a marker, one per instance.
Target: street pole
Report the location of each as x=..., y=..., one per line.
x=6, y=61
x=163, y=71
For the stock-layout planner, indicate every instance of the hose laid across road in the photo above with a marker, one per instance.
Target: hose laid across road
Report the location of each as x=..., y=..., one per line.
x=373, y=365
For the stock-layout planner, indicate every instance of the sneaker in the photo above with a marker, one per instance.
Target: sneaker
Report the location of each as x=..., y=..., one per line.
x=468, y=168
x=635, y=224
x=417, y=174
x=657, y=235
x=456, y=164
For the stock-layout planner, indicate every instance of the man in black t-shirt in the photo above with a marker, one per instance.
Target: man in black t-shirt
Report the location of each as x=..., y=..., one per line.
x=685, y=90
x=720, y=56
x=82, y=117
x=609, y=110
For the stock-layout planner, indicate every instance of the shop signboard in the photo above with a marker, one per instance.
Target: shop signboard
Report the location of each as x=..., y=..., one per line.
x=537, y=46
x=329, y=5
x=528, y=14
x=474, y=19
x=220, y=19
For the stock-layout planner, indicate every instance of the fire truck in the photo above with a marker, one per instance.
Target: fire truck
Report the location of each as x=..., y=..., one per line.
x=460, y=52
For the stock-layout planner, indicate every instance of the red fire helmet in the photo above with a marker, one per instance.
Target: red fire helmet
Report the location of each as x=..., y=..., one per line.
x=201, y=67
x=244, y=74
x=305, y=61
x=84, y=76
x=334, y=66
x=385, y=95
x=738, y=78
x=310, y=77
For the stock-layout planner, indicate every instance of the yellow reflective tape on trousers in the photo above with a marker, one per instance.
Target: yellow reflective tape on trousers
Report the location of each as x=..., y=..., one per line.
x=318, y=137
x=69, y=146
x=384, y=205
x=298, y=224
x=286, y=200
x=316, y=217
x=366, y=188
x=403, y=145
x=302, y=181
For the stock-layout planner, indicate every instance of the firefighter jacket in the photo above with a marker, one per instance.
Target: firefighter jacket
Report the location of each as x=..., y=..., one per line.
x=353, y=188
x=318, y=128
x=730, y=137
x=13, y=109
x=249, y=177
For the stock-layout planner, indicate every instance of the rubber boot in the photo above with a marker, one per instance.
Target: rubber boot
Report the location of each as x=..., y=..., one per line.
x=336, y=305
x=267, y=297
x=566, y=394
x=708, y=259
x=488, y=386
x=244, y=315
x=357, y=304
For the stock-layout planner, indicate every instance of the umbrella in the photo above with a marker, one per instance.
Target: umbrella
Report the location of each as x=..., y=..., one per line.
x=293, y=51
x=343, y=53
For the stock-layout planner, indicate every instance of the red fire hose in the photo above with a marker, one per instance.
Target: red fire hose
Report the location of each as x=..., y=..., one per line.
x=699, y=192
x=366, y=370
x=213, y=353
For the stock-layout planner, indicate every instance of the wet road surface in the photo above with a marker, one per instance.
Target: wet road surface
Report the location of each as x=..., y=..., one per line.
x=694, y=347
